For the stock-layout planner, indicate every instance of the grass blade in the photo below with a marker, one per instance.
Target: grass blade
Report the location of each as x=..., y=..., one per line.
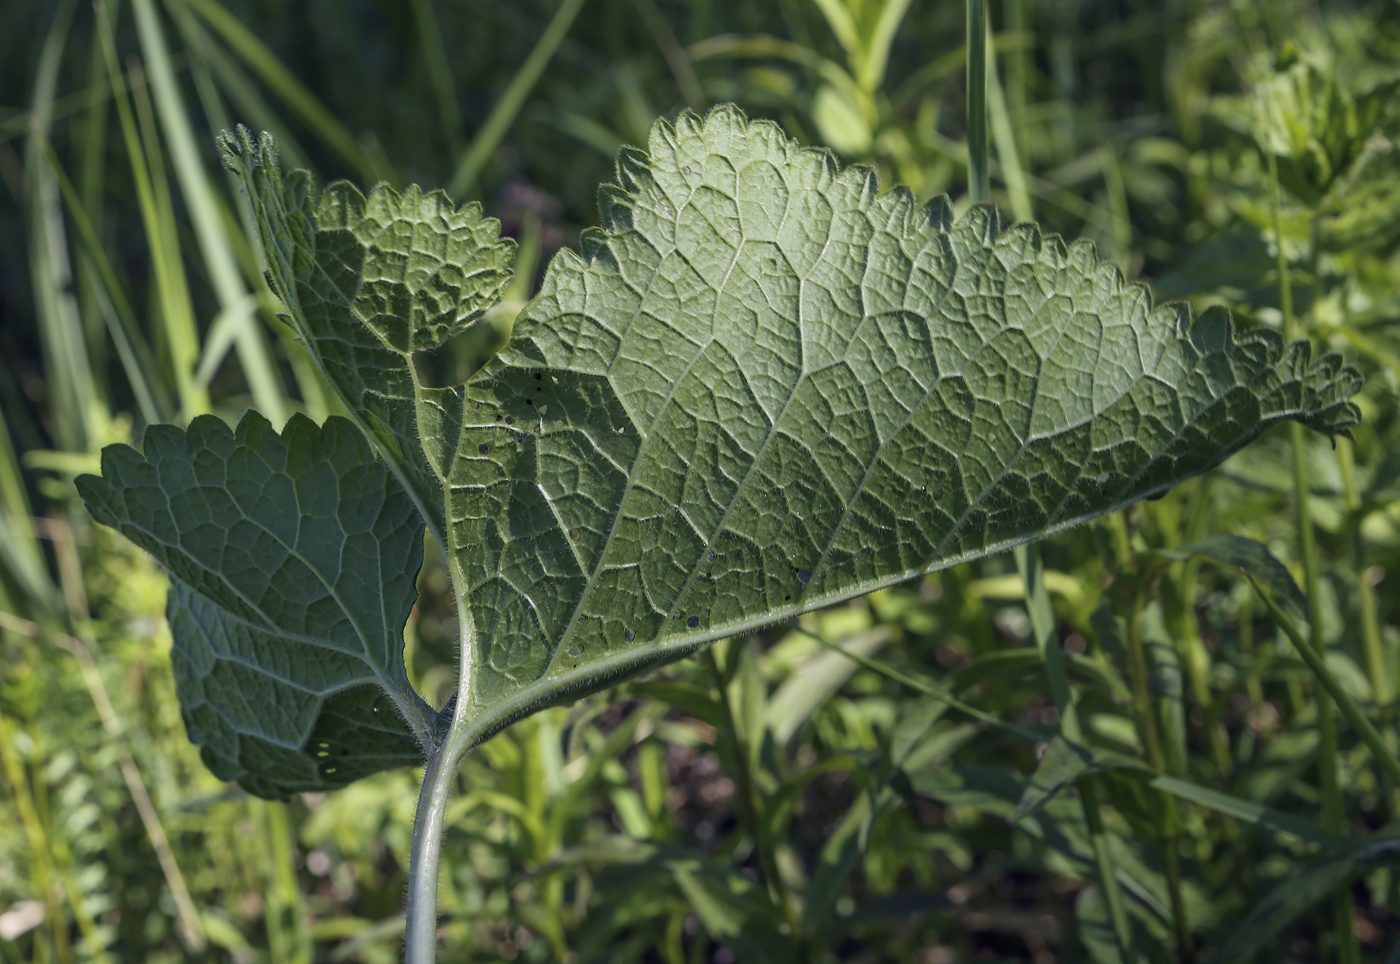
x=506, y=109
x=293, y=92
x=256, y=360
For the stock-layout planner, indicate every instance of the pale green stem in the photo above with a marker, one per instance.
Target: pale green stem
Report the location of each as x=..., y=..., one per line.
x=1333, y=814
x=420, y=927
x=979, y=184
x=752, y=808
x=1365, y=729
x=1043, y=626
x=439, y=777
x=1166, y=815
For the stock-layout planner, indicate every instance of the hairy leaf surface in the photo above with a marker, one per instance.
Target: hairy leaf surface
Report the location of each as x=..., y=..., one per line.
x=369, y=282
x=766, y=387
x=294, y=561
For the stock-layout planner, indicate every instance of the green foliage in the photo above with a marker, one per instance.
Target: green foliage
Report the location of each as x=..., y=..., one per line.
x=762, y=368
x=882, y=785
x=294, y=560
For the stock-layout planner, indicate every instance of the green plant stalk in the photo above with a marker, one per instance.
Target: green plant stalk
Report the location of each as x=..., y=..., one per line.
x=1365, y=729
x=420, y=932
x=1366, y=602
x=1042, y=616
x=1028, y=555
x=752, y=808
x=978, y=176
x=1366, y=593
x=1166, y=814
x=506, y=109
x=1333, y=813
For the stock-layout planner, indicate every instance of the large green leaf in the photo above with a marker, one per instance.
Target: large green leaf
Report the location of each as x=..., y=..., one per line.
x=767, y=386
x=370, y=282
x=294, y=560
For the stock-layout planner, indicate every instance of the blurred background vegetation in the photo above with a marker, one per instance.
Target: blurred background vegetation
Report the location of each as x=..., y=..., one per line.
x=632, y=826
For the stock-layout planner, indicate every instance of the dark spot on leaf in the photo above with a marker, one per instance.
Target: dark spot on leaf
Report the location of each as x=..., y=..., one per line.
x=483, y=448
x=538, y=376
x=693, y=621
x=510, y=420
x=576, y=650
x=498, y=418
x=804, y=574
x=629, y=636
x=787, y=598
x=344, y=752
x=523, y=437
x=573, y=534
x=529, y=401
x=686, y=169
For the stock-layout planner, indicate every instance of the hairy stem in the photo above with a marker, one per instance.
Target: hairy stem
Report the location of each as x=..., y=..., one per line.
x=420, y=933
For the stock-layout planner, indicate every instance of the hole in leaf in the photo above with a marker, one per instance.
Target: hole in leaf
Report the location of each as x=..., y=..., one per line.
x=538, y=376
x=693, y=621
x=629, y=635
x=529, y=401
x=483, y=448
x=787, y=599
x=522, y=437
x=510, y=420
x=804, y=574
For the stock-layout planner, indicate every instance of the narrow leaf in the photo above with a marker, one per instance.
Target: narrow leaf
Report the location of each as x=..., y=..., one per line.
x=293, y=560
x=1250, y=557
x=1061, y=765
x=1294, y=897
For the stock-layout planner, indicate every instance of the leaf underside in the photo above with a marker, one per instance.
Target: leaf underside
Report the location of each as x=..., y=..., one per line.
x=294, y=560
x=763, y=388
x=766, y=387
x=367, y=282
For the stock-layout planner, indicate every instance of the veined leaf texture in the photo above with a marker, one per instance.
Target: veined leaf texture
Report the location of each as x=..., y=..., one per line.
x=763, y=387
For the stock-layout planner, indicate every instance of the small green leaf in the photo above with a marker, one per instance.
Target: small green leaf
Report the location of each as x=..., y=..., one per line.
x=293, y=561
x=1250, y=557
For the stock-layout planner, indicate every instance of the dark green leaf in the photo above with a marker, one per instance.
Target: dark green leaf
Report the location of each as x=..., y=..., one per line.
x=1248, y=556
x=293, y=559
